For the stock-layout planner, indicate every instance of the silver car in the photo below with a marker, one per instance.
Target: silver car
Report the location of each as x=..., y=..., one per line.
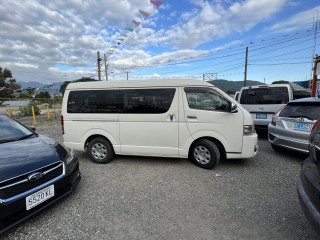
x=291, y=125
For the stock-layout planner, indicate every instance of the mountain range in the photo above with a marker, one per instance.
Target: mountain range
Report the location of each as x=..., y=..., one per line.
x=223, y=84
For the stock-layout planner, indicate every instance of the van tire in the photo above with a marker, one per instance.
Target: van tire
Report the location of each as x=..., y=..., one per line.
x=100, y=150
x=205, y=154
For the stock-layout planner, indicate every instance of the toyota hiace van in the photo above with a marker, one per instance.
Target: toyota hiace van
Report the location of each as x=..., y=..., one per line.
x=163, y=118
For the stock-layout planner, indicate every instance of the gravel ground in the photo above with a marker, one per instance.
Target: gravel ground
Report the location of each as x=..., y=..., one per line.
x=155, y=198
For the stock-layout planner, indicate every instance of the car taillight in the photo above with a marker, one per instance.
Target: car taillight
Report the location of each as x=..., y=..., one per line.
x=273, y=120
x=315, y=125
x=62, y=123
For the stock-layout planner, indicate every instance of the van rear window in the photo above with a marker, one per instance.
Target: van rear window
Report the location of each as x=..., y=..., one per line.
x=270, y=95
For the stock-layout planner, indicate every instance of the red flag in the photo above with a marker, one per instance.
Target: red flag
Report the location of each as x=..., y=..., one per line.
x=145, y=14
x=156, y=3
x=136, y=23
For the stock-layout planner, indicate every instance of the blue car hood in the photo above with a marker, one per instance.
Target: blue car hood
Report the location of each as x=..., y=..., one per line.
x=21, y=157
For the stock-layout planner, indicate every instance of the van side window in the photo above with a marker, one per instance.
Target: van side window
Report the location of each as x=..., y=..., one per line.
x=147, y=100
x=94, y=101
x=206, y=99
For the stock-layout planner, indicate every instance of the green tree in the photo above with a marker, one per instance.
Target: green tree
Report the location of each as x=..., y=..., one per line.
x=280, y=82
x=83, y=79
x=7, y=83
x=23, y=95
x=43, y=95
x=64, y=86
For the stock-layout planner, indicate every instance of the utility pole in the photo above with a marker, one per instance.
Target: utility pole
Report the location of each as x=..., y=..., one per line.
x=127, y=75
x=316, y=71
x=99, y=66
x=106, y=66
x=245, y=68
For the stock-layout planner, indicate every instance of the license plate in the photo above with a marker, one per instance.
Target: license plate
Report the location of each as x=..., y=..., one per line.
x=302, y=127
x=261, y=116
x=39, y=197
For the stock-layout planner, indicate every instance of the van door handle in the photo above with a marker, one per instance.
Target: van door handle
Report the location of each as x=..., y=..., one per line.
x=192, y=117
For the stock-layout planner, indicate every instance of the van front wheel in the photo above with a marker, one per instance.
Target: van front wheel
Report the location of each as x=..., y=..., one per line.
x=205, y=154
x=100, y=150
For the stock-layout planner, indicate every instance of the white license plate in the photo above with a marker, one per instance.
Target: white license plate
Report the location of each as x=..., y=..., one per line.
x=261, y=116
x=302, y=127
x=39, y=197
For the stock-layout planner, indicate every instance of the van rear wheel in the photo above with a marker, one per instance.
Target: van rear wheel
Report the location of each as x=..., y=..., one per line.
x=100, y=150
x=205, y=154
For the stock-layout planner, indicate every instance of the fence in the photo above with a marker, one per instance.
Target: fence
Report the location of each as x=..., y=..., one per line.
x=32, y=110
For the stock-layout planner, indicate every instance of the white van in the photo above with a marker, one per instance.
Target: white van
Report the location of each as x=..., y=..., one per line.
x=263, y=101
x=166, y=118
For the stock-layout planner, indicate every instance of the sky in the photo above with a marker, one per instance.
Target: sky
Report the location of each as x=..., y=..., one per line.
x=56, y=41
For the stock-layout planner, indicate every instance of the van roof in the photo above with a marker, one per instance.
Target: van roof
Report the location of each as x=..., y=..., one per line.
x=136, y=83
x=268, y=85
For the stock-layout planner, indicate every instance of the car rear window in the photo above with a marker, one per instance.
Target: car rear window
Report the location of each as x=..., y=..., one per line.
x=310, y=110
x=265, y=95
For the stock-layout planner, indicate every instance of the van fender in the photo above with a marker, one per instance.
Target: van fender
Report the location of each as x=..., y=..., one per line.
x=206, y=134
x=103, y=133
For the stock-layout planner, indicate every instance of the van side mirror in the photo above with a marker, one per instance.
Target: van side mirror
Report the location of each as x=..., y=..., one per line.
x=234, y=108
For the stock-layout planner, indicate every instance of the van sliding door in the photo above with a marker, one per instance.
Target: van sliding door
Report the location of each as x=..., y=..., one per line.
x=149, y=122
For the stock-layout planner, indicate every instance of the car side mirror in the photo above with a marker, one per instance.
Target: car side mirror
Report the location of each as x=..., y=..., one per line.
x=32, y=128
x=234, y=108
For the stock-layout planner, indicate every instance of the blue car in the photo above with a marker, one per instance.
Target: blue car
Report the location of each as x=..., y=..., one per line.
x=309, y=182
x=35, y=172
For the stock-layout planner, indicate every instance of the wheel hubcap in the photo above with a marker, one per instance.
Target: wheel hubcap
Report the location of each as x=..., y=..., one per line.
x=99, y=151
x=202, y=155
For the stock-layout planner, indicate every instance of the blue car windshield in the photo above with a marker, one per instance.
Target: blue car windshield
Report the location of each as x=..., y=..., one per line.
x=10, y=130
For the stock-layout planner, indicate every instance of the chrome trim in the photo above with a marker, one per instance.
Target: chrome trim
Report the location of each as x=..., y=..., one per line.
x=33, y=190
x=26, y=180
x=30, y=172
x=13, y=184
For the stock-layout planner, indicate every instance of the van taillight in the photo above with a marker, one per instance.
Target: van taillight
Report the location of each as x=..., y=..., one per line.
x=273, y=120
x=62, y=124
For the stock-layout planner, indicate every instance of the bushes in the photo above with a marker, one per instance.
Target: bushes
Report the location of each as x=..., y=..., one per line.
x=27, y=110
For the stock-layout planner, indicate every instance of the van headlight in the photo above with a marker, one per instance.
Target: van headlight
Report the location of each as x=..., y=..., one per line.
x=248, y=130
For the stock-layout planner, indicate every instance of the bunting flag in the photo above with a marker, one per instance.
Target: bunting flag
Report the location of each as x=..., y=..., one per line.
x=129, y=29
x=143, y=13
x=156, y=3
x=136, y=23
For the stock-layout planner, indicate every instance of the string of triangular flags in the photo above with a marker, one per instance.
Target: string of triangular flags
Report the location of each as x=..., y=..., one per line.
x=136, y=24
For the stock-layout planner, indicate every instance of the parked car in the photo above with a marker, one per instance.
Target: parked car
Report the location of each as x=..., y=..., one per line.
x=35, y=172
x=308, y=186
x=290, y=126
x=262, y=101
x=167, y=118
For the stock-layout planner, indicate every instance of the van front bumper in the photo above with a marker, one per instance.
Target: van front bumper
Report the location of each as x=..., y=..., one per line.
x=249, y=147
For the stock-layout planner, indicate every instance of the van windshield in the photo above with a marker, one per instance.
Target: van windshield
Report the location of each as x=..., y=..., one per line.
x=265, y=95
